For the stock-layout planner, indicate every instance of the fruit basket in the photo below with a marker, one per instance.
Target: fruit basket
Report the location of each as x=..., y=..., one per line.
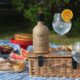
x=52, y=64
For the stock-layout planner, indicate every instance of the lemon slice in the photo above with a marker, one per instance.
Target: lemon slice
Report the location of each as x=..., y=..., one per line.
x=67, y=15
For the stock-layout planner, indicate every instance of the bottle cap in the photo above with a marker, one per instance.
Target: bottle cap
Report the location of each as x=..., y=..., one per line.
x=40, y=16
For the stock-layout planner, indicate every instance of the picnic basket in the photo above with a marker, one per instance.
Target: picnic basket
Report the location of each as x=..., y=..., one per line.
x=51, y=64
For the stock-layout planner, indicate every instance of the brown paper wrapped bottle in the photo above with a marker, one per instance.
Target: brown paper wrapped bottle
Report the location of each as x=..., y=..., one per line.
x=40, y=36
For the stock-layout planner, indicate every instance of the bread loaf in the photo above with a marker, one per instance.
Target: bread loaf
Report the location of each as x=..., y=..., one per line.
x=24, y=37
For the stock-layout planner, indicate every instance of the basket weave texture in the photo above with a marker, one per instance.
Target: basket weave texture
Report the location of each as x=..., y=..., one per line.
x=54, y=65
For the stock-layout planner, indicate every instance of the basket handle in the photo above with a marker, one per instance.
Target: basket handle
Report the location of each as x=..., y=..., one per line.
x=74, y=64
x=41, y=61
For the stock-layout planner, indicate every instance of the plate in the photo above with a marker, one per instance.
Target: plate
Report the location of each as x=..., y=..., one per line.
x=7, y=65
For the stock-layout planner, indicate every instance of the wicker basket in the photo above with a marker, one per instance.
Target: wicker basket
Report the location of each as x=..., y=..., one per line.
x=53, y=65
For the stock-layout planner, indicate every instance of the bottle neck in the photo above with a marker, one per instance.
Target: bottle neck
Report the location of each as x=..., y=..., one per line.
x=40, y=22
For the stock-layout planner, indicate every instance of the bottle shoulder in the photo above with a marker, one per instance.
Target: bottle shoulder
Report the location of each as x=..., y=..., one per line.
x=40, y=28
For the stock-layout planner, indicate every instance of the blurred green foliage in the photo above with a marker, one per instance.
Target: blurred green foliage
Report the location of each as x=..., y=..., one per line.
x=18, y=4
x=29, y=8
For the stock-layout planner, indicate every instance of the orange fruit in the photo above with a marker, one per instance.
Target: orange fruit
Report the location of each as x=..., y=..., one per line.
x=67, y=15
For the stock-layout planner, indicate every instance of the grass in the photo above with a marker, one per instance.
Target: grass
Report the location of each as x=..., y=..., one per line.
x=7, y=31
x=10, y=30
x=63, y=39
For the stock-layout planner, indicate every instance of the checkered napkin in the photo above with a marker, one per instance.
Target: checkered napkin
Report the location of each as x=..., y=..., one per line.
x=25, y=76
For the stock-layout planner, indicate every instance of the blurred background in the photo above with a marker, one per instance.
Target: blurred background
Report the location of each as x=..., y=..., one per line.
x=19, y=16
